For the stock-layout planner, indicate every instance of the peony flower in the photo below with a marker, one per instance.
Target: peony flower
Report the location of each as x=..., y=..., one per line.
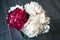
x=33, y=27
x=33, y=8
x=37, y=22
x=16, y=17
x=32, y=23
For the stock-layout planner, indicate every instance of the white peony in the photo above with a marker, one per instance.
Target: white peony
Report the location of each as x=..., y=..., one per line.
x=37, y=22
x=33, y=8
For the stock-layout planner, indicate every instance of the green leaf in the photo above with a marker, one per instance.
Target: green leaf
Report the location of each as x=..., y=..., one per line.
x=24, y=36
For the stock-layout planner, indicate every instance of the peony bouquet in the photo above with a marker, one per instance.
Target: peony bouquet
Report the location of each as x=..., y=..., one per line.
x=30, y=20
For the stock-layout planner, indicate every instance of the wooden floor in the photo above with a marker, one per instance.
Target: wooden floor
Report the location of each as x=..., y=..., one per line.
x=52, y=8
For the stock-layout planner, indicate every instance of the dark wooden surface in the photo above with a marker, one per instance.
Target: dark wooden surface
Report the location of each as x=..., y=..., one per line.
x=52, y=8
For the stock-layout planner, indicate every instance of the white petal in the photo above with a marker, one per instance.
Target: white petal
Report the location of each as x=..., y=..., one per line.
x=14, y=7
x=47, y=27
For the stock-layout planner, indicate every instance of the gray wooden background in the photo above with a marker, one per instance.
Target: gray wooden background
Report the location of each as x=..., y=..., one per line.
x=52, y=8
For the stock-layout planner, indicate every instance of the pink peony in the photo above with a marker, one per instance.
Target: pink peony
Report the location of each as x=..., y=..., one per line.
x=17, y=18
